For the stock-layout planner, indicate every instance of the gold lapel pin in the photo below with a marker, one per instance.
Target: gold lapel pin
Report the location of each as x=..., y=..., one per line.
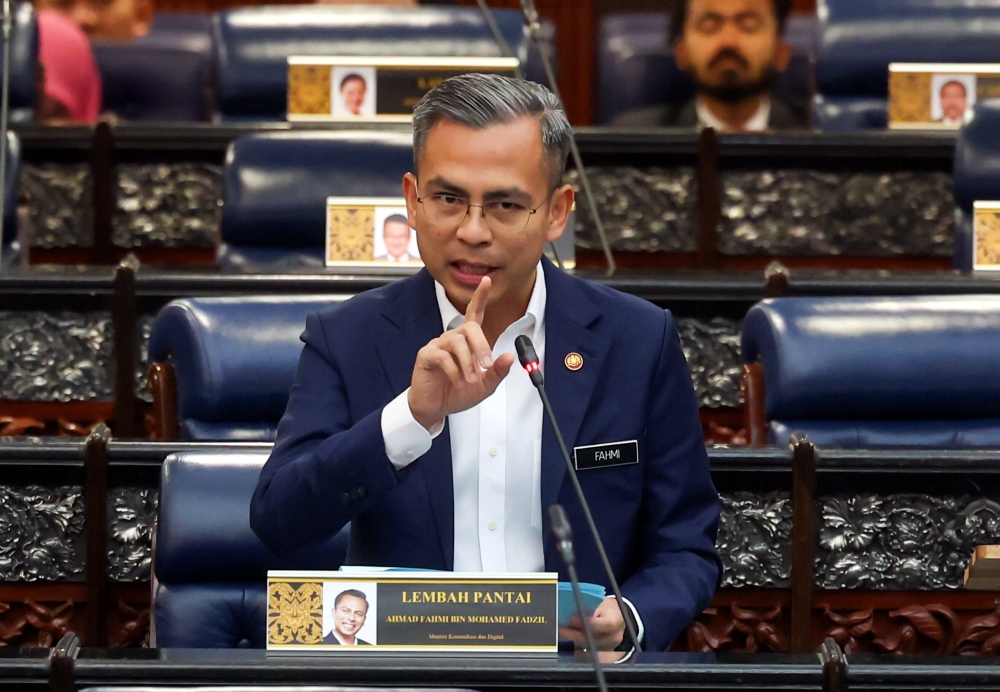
x=573, y=361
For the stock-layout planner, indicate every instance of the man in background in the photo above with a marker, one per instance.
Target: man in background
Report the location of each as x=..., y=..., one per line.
x=954, y=102
x=733, y=50
x=352, y=89
x=350, y=609
x=396, y=234
x=113, y=20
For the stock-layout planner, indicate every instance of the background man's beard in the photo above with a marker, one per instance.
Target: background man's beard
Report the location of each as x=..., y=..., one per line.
x=732, y=91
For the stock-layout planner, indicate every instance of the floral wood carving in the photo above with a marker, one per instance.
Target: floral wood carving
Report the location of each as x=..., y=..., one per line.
x=51, y=623
x=760, y=629
x=11, y=629
x=135, y=631
x=11, y=427
x=706, y=636
x=849, y=628
x=981, y=635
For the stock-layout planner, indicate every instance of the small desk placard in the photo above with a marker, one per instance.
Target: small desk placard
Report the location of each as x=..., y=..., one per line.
x=986, y=236
x=412, y=612
x=928, y=96
x=370, y=88
x=369, y=230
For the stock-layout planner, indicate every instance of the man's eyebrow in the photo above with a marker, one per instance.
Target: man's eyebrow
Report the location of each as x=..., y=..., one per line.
x=448, y=186
x=507, y=193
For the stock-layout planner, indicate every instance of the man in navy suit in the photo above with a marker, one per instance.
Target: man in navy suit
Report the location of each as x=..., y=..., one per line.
x=408, y=420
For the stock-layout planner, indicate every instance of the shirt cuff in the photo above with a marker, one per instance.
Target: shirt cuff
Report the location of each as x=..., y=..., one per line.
x=640, y=631
x=405, y=439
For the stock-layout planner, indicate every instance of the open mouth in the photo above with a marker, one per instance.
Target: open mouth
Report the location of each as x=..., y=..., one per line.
x=471, y=272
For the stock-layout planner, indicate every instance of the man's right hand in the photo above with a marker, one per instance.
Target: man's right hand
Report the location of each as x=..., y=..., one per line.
x=456, y=371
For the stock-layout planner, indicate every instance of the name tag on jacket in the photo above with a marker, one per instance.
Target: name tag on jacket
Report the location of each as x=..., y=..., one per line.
x=609, y=454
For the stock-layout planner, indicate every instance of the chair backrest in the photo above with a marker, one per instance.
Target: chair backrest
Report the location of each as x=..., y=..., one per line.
x=253, y=44
x=12, y=184
x=234, y=360
x=925, y=358
x=210, y=566
x=976, y=175
x=636, y=66
x=859, y=38
x=146, y=80
x=276, y=185
x=23, y=63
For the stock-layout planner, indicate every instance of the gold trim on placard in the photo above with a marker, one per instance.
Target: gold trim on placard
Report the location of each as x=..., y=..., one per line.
x=295, y=613
x=909, y=97
x=309, y=90
x=986, y=236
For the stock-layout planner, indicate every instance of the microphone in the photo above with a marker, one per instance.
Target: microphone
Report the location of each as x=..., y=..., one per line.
x=529, y=361
x=564, y=539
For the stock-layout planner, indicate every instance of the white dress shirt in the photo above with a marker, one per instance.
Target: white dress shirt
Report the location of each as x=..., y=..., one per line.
x=496, y=451
x=758, y=122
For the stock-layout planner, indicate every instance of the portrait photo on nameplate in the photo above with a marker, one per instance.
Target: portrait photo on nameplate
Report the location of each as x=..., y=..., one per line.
x=417, y=612
x=936, y=96
x=369, y=230
x=350, y=88
x=986, y=236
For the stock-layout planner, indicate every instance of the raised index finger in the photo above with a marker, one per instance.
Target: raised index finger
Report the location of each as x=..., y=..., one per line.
x=477, y=306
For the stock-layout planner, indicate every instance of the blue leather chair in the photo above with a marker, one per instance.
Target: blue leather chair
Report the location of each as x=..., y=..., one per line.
x=636, y=66
x=976, y=176
x=276, y=185
x=23, y=64
x=210, y=568
x=10, y=248
x=859, y=38
x=911, y=371
x=253, y=44
x=143, y=80
x=233, y=360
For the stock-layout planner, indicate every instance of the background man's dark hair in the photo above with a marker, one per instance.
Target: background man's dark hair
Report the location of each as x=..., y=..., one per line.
x=354, y=76
x=395, y=218
x=351, y=592
x=678, y=16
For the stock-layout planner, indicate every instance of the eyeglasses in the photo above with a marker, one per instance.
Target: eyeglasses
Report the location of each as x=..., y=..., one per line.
x=448, y=211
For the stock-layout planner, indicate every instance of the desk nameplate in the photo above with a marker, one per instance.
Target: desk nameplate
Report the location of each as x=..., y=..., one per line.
x=412, y=612
x=928, y=96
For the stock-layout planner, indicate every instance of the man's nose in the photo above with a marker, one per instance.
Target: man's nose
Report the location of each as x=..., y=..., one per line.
x=474, y=229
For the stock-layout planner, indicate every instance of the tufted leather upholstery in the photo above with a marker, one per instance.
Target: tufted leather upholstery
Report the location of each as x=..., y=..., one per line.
x=976, y=174
x=859, y=38
x=163, y=75
x=880, y=371
x=636, y=66
x=23, y=63
x=210, y=567
x=276, y=187
x=253, y=44
x=234, y=361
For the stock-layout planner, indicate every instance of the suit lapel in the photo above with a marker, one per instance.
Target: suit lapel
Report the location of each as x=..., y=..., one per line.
x=415, y=319
x=569, y=316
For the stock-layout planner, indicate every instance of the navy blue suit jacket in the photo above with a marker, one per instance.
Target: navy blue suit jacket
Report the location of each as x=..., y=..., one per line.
x=657, y=518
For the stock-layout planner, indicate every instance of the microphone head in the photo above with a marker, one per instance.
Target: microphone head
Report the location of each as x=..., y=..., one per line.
x=525, y=351
x=560, y=524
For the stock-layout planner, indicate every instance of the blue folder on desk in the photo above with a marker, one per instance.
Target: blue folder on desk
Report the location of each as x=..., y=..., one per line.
x=592, y=594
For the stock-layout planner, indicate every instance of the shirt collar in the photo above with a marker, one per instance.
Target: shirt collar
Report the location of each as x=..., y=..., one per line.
x=452, y=318
x=758, y=122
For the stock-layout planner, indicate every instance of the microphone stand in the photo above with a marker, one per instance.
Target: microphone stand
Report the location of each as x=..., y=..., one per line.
x=529, y=360
x=531, y=17
x=563, y=533
x=4, y=114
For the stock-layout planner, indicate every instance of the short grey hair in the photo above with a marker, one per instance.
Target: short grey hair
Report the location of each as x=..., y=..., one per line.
x=479, y=100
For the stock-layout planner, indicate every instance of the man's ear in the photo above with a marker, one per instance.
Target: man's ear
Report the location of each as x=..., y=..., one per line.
x=410, y=194
x=142, y=20
x=782, y=55
x=681, y=55
x=559, y=210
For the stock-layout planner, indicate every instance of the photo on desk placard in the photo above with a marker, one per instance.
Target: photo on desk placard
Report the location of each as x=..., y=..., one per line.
x=952, y=98
x=370, y=230
x=986, y=236
x=350, y=613
x=354, y=91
